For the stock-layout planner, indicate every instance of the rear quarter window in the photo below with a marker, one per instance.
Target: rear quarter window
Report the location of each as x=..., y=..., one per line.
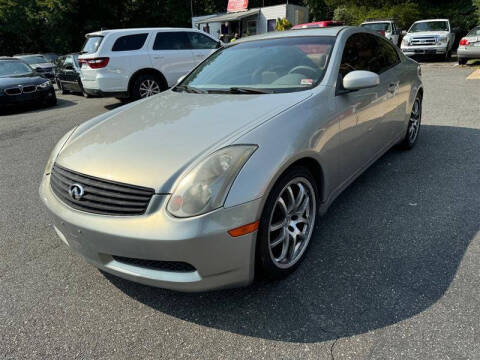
x=130, y=42
x=92, y=44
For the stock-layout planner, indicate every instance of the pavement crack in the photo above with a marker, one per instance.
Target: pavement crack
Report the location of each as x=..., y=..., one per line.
x=331, y=349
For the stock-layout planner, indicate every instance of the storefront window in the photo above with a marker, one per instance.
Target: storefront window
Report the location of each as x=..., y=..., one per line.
x=271, y=25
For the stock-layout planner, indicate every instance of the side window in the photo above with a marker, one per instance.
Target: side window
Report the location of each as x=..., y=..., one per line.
x=359, y=54
x=171, y=41
x=60, y=61
x=129, y=42
x=68, y=63
x=387, y=55
x=200, y=41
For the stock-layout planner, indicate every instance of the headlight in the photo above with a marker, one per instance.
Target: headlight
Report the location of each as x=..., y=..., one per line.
x=442, y=39
x=56, y=150
x=406, y=41
x=45, y=85
x=206, y=186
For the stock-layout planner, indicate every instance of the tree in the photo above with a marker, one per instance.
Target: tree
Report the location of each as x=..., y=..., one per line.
x=283, y=24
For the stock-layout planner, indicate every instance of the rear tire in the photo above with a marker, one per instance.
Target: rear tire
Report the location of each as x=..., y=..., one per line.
x=287, y=224
x=462, y=61
x=62, y=89
x=414, y=124
x=146, y=85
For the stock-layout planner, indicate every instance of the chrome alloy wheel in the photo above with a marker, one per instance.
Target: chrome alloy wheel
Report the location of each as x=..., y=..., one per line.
x=291, y=222
x=414, y=123
x=149, y=88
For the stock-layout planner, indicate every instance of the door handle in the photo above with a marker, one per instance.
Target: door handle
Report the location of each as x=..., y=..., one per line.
x=392, y=88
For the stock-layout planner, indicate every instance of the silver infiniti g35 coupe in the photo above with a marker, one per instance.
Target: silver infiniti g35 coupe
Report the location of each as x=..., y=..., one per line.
x=224, y=175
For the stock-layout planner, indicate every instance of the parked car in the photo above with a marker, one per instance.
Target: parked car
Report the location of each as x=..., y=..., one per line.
x=21, y=85
x=386, y=27
x=51, y=57
x=226, y=174
x=67, y=74
x=318, y=24
x=40, y=64
x=429, y=37
x=469, y=47
x=137, y=63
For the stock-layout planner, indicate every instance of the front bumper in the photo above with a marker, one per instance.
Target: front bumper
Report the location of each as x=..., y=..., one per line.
x=39, y=96
x=424, y=50
x=220, y=261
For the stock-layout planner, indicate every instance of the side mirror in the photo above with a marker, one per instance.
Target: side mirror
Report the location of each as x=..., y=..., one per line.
x=404, y=32
x=360, y=79
x=180, y=79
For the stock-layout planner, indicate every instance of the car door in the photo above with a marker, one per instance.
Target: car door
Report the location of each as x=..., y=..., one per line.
x=59, y=71
x=398, y=89
x=69, y=74
x=360, y=112
x=202, y=46
x=172, y=55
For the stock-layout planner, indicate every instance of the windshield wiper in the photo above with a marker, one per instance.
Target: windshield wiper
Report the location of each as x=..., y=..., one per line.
x=190, y=89
x=243, y=90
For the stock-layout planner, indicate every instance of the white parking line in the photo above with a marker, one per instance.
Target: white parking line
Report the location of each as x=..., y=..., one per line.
x=475, y=75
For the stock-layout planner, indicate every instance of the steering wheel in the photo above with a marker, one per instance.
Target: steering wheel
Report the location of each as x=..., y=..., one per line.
x=305, y=70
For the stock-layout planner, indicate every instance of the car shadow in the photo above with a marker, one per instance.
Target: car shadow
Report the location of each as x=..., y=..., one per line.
x=14, y=110
x=388, y=249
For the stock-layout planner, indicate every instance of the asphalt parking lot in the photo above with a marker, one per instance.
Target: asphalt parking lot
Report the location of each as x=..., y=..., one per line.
x=393, y=271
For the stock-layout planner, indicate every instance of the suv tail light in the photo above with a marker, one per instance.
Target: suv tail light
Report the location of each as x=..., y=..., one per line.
x=96, y=63
x=382, y=32
x=464, y=42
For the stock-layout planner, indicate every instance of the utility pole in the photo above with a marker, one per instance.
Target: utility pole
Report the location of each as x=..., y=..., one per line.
x=191, y=10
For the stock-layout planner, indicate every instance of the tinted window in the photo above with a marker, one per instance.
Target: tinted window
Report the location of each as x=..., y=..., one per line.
x=68, y=62
x=369, y=53
x=200, y=41
x=377, y=26
x=59, y=62
x=92, y=44
x=34, y=59
x=129, y=42
x=387, y=55
x=171, y=41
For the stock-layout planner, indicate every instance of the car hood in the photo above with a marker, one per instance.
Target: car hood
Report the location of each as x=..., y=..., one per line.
x=43, y=66
x=12, y=81
x=427, y=33
x=151, y=142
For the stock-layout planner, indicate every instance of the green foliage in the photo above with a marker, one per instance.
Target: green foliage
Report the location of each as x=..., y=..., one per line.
x=283, y=24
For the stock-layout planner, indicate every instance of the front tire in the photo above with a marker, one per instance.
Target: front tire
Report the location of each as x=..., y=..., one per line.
x=414, y=124
x=287, y=224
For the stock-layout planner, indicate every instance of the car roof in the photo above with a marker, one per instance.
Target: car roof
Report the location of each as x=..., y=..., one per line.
x=420, y=21
x=22, y=55
x=134, y=30
x=8, y=58
x=377, y=21
x=327, y=31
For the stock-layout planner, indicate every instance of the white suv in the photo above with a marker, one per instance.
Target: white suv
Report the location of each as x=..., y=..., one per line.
x=429, y=37
x=136, y=63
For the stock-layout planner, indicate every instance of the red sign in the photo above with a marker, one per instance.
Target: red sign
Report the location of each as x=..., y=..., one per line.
x=237, y=5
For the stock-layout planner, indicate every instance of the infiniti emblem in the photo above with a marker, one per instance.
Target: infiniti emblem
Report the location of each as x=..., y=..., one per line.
x=76, y=191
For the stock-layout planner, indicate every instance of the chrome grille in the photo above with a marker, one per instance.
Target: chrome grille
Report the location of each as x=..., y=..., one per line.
x=100, y=196
x=420, y=41
x=29, y=89
x=13, y=91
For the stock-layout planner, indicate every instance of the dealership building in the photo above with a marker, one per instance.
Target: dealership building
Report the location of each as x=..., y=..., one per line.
x=245, y=22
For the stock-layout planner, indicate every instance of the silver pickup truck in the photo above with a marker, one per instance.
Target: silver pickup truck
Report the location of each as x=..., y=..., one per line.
x=429, y=37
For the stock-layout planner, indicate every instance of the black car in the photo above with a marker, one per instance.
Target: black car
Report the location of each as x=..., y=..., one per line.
x=21, y=85
x=39, y=63
x=68, y=74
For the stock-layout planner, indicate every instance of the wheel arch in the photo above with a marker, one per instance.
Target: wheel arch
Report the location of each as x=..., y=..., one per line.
x=146, y=71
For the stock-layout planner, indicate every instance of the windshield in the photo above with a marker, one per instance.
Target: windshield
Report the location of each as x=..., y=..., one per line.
x=51, y=57
x=474, y=32
x=377, y=26
x=429, y=26
x=273, y=65
x=34, y=59
x=14, y=68
x=92, y=44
